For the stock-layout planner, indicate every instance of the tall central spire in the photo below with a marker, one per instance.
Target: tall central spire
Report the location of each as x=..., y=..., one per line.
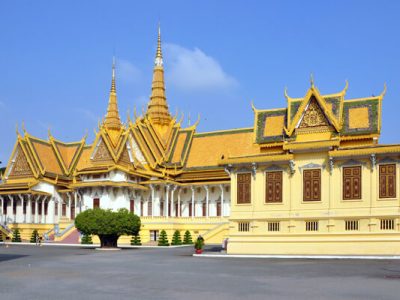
x=157, y=109
x=112, y=119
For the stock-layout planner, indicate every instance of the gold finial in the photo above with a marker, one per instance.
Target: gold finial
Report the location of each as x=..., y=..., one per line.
x=312, y=80
x=23, y=126
x=16, y=128
x=159, y=62
x=157, y=107
x=112, y=119
x=113, y=89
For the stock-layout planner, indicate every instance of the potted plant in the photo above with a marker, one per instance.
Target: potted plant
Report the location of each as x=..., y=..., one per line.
x=198, y=246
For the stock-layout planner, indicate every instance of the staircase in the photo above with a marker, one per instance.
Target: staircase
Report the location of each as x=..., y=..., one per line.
x=5, y=231
x=217, y=233
x=71, y=238
x=67, y=234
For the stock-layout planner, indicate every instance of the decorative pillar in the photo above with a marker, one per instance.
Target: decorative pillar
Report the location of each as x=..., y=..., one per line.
x=152, y=200
x=222, y=200
x=179, y=203
x=29, y=209
x=12, y=209
x=166, y=208
x=59, y=207
x=68, y=206
x=193, y=210
x=1, y=210
x=51, y=210
x=173, y=212
x=37, y=209
x=207, y=199
x=21, y=217
x=43, y=220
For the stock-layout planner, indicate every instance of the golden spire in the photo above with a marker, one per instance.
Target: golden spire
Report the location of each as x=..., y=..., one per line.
x=157, y=108
x=112, y=119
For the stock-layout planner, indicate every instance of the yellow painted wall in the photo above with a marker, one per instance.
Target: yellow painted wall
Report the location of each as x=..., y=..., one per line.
x=331, y=212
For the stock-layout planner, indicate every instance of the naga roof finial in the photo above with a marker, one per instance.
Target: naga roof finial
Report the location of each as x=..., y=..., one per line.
x=312, y=80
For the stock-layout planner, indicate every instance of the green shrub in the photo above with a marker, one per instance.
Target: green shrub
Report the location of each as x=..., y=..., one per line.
x=176, y=238
x=135, y=241
x=35, y=236
x=163, y=239
x=86, y=239
x=187, y=238
x=107, y=224
x=16, y=236
x=1, y=237
x=198, y=245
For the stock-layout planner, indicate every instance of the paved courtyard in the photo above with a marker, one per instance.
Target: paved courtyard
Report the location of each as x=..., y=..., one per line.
x=30, y=272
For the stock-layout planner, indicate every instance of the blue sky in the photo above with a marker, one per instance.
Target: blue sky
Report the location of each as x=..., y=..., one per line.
x=55, y=59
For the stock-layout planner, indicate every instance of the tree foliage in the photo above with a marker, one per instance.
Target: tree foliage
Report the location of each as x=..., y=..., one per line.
x=16, y=236
x=135, y=241
x=176, y=238
x=187, y=239
x=108, y=225
x=86, y=239
x=163, y=239
x=34, y=236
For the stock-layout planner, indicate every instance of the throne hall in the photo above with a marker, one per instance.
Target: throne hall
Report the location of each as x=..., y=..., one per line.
x=308, y=178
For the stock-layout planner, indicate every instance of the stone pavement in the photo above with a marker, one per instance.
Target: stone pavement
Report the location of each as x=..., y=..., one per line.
x=30, y=272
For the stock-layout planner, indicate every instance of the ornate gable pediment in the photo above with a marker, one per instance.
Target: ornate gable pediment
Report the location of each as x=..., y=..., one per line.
x=313, y=116
x=19, y=164
x=101, y=152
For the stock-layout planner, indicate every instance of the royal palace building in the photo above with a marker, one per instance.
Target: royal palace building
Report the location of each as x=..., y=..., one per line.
x=309, y=178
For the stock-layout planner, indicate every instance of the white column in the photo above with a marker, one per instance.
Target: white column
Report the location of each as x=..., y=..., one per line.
x=173, y=213
x=1, y=210
x=37, y=209
x=60, y=204
x=207, y=200
x=51, y=210
x=68, y=206
x=193, y=206
x=179, y=203
x=222, y=200
x=152, y=200
x=12, y=209
x=167, y=200
x=29, y=209
x=43, y=215
x=21, y=217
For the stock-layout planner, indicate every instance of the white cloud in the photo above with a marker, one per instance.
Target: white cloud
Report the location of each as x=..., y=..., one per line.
x=194, y=70
x=127, y=72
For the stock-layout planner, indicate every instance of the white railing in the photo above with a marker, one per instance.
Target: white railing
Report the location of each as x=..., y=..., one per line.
x=61, y=233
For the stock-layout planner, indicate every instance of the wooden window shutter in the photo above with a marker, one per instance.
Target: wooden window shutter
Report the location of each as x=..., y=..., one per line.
x=351, y=183
x=96, y=203
x=387, y=181
x=312, y=185
x=274, y=187
x=244, y=188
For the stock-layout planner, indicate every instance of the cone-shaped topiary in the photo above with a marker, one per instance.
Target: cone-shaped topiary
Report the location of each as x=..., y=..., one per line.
x=1, y=237
x=187, y=239
x=135, y=241
x=163, y=239
x=16, y=236
x=176, y=238
x=86, y=239
x=34, y=236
